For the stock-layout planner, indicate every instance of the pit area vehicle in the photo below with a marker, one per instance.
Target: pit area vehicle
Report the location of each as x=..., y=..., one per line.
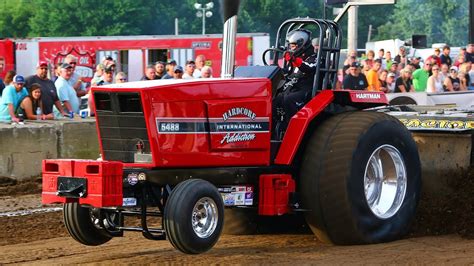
x=185, y=150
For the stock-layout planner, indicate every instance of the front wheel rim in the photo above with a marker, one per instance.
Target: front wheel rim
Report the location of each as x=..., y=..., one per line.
x=204, y=217
x=385, y=181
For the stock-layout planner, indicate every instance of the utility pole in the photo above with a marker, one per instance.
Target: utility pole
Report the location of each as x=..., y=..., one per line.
x=352, y=22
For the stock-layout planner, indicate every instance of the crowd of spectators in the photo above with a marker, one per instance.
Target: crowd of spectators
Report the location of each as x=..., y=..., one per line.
x=37, y=97
x=436, y=73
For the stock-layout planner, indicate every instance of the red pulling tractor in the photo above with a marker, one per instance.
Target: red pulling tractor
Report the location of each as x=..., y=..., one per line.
x=186, y=149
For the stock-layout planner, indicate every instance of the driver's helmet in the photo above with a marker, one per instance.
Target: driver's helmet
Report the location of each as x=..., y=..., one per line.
x=300, y=37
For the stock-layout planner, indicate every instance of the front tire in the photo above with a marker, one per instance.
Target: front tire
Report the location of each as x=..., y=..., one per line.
x=361, y=179
x=193, y=216
x=82, y=225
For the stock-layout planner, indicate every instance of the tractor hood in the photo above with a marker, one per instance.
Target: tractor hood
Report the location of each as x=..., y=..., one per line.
x=174, y=123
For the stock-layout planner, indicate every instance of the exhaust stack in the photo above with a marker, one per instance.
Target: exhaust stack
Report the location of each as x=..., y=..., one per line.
x=230, y=9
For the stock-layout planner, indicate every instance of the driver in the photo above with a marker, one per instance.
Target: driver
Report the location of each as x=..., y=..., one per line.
x=300, y=64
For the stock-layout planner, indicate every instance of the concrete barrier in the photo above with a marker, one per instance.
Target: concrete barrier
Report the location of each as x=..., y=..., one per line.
x=23, y=147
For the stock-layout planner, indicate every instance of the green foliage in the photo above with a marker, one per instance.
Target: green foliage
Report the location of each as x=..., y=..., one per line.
x=441, y=20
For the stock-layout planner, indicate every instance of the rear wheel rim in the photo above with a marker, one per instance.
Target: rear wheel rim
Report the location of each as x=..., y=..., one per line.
x=385, y=181
x=204, y=217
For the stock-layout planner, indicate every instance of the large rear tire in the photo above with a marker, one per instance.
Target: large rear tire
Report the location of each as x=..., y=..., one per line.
x=193, y=216
x=360, y=178
x=82, y=225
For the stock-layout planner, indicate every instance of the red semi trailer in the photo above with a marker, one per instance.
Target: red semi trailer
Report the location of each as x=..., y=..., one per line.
x=185, y=149
x=132, y=53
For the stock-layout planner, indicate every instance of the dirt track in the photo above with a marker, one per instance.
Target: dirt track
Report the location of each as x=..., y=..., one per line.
x=441, y=234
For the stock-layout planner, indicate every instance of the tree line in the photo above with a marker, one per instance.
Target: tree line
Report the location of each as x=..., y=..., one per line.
x=443, y=21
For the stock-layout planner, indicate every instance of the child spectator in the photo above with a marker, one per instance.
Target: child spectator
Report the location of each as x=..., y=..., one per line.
x=11, y=99
x=30, y=104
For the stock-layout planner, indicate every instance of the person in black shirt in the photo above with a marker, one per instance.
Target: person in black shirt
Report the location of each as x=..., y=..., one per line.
x=470, y=53
x=445, y=58
x=49, y=96
x=355, y=80
x=404, y=83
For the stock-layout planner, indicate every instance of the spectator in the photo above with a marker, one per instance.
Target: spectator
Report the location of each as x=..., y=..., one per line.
x=109, y=62
x=445, y=58
x=459, y=61
x=99, y=71
x=206, y=72
x=170, y=69
x=355, y=80
x=435, y=58
x=373, y=76
x=381, y=54
x=404, y=82
x=121, y=77
x=149, y=73
x=394, y=69
x=56, y=72
x=388, y=60
x=435, y=81
x=370, y=58
x=420, y=77
x=66, y=93
x=391, y=82
x=401, y=57
x=471, y=77
x=2, y=86
x=11, y=99
x=464, y=75
x=107, y=77
x=178, y=72
x=49, y=96
x=383, y=80
x=32, y=102
x=452, y=82
x=9, y=77
x=189, y=70
x=200, y=63
x=365, y=67
x=159, y=70
x=415, y=62
x=349, y=61
x=444, y=73
x=351, y=55
x=470, y=53
x=76, y=79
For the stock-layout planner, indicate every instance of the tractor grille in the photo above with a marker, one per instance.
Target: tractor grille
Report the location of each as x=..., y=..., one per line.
x=122, y=125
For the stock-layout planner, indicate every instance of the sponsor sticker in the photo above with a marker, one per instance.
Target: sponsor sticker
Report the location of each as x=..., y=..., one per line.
x=132, y=179
x=127, y=202
x=237, y=195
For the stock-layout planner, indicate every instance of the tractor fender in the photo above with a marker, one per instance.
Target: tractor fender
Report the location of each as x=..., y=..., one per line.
x=299, y=124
